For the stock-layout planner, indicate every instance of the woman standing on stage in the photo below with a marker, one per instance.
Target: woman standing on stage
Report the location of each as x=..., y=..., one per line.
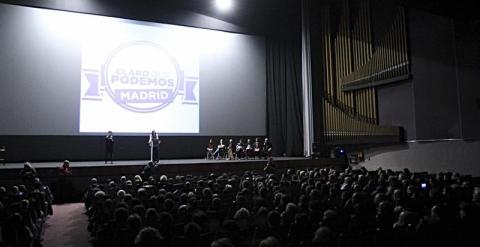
x=109, y=147
x=154, y=143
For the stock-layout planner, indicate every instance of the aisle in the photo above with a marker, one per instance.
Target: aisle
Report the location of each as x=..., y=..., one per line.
x=67, y=227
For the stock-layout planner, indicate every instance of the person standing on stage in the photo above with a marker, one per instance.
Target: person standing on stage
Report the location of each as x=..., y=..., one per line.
x=267, y=148
x=109, y=147
x=154, y=142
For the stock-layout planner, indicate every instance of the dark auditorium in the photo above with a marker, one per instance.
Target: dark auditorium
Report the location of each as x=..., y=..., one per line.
x=239, y=123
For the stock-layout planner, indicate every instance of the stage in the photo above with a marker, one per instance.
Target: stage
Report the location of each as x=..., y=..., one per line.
x=88, y=169
x=76, y=164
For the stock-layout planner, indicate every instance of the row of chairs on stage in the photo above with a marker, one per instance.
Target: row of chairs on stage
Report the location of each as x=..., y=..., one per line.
x=239, y=150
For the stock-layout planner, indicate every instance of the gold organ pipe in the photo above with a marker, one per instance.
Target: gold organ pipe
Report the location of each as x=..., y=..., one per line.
x=404, y=38
x=367, y=106
x=382, y=56
x=327, y=118
x=328, y=56
x=336, y=66
x=342, y=57
x=368, y=39
x=364, y=104
x=348, y=39
x=394, y=45
x=364, y=28
x=360, y=101
x=394, y=40
x=357, y=46
x=330, y=62
x=389, y=51
x=367, y=103
x=325, y=49
x=340, y=66
x=363, y=31
x=397, y=39
x=340, y=71
x=374, y=103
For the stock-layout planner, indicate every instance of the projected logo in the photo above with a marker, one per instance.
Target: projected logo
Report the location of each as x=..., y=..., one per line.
x=141, y=76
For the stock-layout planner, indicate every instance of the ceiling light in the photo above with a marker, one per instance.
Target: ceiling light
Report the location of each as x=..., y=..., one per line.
x=224, y=5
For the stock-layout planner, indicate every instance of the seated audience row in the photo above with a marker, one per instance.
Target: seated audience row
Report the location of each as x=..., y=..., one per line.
x=24, y=209
x=313, y=207
x=239, y=150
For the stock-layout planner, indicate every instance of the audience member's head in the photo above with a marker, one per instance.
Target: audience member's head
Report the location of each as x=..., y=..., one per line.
x=149, y=237
x=222, y=242
x=269, y=242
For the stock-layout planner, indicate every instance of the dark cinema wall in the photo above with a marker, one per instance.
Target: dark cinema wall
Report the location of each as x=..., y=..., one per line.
x=441, y=100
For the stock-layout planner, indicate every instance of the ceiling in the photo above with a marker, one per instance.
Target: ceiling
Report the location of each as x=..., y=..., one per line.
x=263, y=16
x=252, y=14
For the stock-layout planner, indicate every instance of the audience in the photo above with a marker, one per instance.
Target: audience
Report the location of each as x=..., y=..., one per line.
x=28, y=173
x=24, y=209
x=313, y=207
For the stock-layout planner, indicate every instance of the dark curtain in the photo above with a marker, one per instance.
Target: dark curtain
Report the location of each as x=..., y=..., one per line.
x=284, y=96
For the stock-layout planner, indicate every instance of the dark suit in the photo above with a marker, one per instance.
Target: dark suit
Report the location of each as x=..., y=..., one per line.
x=155, y=142
x=109, y=149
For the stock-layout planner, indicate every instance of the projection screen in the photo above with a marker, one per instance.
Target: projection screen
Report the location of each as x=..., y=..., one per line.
x=73, y=74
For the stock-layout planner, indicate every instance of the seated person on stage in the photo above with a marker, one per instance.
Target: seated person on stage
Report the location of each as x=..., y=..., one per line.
x=218, y=154
x=249, y=149
x=240, y=149
x=231, y=150
x=267, y=149
x=257, y=148
x=210, y=149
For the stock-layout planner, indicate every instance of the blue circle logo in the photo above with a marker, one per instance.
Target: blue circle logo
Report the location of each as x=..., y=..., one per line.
x=141, y=76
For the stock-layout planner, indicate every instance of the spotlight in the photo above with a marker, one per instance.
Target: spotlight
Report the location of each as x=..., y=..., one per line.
x=224, y=5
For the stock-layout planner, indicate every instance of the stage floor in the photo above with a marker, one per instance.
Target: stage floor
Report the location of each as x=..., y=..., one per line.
x=141, y=162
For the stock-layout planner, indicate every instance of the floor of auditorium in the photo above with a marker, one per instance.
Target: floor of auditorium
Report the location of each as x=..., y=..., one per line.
x=67, y=227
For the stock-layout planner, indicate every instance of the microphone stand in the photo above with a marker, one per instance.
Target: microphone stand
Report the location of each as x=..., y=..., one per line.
x=151, y=150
